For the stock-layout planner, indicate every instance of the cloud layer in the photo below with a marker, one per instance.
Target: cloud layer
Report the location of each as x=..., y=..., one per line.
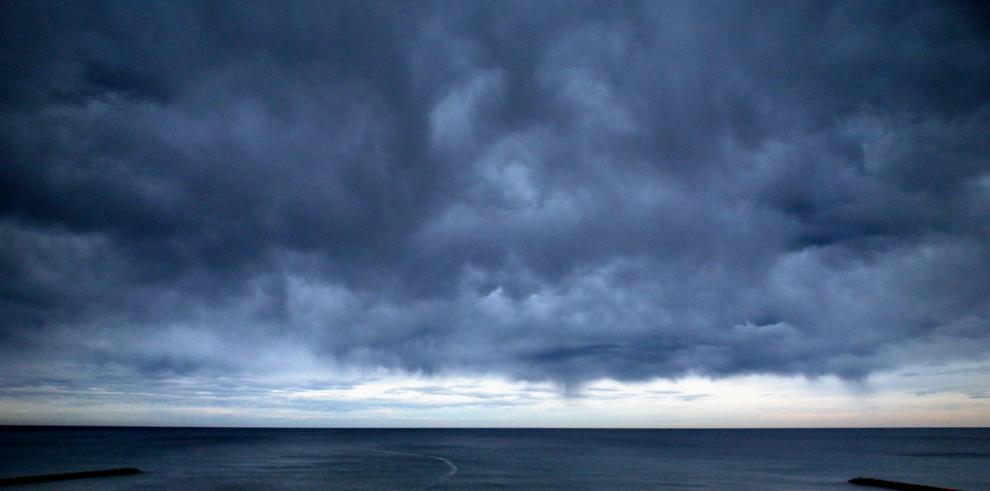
x=550, y=191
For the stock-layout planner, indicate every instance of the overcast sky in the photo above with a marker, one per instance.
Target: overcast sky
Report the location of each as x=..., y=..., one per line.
x=251, y=202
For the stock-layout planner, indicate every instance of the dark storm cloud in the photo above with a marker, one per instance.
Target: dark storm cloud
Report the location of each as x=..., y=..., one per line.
x=539, y=190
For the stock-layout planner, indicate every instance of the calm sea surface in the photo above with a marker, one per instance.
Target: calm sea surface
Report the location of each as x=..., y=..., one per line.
x=185, y=458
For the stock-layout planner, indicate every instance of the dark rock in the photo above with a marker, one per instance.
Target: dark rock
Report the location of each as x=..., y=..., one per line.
x=901, y=486
x=12, y=481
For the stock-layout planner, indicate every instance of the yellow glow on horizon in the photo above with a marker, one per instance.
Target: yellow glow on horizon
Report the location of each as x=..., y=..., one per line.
x=904, y=398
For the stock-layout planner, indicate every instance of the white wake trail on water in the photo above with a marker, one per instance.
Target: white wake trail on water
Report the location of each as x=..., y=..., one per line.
x=452, y=468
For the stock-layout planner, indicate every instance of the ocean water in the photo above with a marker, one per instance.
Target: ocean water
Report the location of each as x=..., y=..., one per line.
x=478, y=459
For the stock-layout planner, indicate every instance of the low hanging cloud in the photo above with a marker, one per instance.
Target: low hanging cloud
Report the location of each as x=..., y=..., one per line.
x=549, y=191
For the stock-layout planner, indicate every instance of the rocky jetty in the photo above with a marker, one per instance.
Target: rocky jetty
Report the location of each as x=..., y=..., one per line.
x=13, y=481
x=900, y=486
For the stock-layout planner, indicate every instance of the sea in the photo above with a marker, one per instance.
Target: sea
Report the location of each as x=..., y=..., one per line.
x=480, y=459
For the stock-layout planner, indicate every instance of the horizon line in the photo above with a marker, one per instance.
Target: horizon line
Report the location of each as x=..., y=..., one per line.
x=604, y=428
